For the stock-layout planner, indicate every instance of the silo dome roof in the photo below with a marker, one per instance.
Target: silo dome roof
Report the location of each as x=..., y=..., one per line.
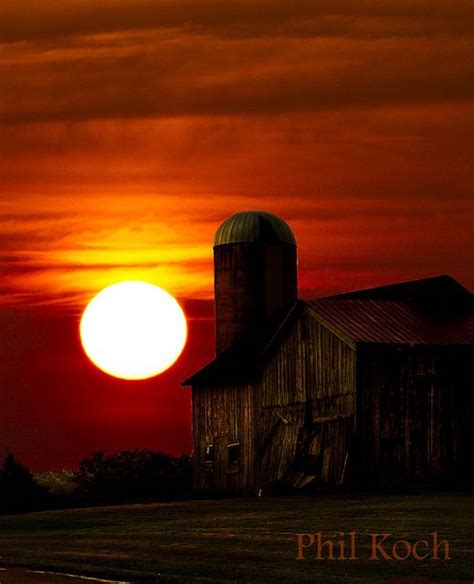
x=252, y=226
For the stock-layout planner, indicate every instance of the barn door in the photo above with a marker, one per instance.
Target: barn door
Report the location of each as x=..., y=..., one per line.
x=324, y=453
x=277, y=452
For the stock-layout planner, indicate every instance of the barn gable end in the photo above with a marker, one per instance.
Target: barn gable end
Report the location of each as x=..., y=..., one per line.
x=293, y=418
x=307, y=404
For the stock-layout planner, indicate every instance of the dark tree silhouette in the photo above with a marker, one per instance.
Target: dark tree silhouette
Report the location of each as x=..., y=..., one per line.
x=125, y=476
x=18, y=490
x=135, y=474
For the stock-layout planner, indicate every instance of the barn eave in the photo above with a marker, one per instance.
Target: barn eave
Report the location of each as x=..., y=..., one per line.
x=243, y=363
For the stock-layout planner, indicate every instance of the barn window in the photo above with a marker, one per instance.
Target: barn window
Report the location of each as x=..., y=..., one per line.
x=209, y=456
x=233, y=454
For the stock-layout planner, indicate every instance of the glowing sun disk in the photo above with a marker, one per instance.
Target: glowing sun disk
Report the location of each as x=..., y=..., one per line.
x=133, y=330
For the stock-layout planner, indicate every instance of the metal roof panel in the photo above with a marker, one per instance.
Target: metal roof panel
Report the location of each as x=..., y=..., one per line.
x=394, y=321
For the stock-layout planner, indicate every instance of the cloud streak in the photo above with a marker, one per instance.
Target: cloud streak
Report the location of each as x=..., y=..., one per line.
x=201, y=76
x=83, y=60
x=29, y=19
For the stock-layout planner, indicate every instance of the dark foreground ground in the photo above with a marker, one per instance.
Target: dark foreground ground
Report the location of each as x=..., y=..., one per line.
x=241, y=540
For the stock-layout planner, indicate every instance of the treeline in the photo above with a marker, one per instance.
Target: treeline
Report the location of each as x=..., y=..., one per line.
x=128, y=476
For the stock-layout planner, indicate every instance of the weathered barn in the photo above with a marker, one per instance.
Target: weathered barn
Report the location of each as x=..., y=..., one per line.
x=369, y=385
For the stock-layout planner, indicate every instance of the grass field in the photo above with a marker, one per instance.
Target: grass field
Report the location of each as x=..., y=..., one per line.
x=240, y=540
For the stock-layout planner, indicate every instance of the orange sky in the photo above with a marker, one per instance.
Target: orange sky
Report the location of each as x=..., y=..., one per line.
x=130, y=130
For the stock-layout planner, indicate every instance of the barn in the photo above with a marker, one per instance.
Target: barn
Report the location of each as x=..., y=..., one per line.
x=369, y=386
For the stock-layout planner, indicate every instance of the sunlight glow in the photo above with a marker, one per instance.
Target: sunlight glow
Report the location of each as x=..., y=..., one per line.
x=133, y=330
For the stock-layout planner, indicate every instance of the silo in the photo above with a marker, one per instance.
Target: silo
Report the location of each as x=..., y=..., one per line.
x=255, y=275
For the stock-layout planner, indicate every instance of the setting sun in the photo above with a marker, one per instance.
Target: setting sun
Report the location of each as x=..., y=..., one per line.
x=133, y=330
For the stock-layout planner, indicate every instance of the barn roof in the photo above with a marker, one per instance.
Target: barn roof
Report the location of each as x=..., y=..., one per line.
x=442, y=289
x=393, y=321
x=432, y=311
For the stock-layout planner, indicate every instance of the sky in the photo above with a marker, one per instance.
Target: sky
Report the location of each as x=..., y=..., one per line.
x=129, y=130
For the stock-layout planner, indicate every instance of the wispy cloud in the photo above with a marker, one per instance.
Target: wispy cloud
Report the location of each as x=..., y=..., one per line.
x=194, y=75
x=28, y=19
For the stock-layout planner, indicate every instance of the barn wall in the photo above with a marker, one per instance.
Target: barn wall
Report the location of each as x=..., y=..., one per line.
x=415, y=409
x=221, y=416
x=307, y=406
x=330, y=372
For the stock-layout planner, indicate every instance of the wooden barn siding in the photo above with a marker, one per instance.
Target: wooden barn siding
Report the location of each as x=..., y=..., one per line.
x=462, y=362
x=310, y=376
x=219, y=417
x=412, y=408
